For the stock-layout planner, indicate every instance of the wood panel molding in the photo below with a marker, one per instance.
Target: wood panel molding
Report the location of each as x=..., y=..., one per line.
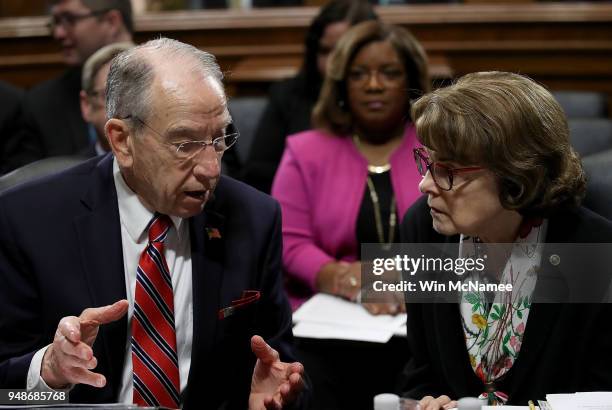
x=564, y=45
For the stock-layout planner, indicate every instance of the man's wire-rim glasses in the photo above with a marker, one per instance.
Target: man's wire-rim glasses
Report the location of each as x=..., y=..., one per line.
x=441, y=174
x=191, y=148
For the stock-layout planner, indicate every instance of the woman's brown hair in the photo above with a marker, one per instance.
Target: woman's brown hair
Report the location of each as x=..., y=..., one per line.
x=512, y=126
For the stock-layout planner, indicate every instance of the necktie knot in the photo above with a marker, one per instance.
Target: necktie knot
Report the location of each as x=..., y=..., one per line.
x=158, y=227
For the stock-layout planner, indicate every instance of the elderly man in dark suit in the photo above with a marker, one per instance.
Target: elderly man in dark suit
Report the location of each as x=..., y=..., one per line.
x=182, y=279
x=52, y=117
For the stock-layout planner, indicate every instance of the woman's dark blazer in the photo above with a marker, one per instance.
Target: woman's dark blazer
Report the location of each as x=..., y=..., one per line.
x=566, y=347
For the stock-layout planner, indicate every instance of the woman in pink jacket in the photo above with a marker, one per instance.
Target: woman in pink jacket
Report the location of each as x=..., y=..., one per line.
x=351, y=180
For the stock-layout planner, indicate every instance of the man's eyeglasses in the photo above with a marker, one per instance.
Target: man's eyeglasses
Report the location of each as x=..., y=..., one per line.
x=69, y=20
x=189, y=149
x=442, y=175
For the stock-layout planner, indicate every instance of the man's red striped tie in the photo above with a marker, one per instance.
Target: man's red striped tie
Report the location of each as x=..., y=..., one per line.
x=154, y=358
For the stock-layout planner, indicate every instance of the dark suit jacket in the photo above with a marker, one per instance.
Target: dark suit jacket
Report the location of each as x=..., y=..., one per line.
x=52, y=122
x=10, y=107
x=60, y=252
x=566, y=347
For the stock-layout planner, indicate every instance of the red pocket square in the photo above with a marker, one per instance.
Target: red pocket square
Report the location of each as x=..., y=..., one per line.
x=248, y=297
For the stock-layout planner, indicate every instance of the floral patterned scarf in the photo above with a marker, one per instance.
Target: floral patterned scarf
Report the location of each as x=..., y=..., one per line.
x=494, y=332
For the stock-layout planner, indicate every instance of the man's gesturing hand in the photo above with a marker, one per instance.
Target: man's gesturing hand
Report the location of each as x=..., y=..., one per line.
x=275, y=383
x=70, y=357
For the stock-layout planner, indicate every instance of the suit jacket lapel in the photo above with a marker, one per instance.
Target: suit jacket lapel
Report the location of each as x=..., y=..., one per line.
x=537, y=333
x=99, y=234
x=449, y=332
x=453, y=351
x=207, y=248
x=542, y=316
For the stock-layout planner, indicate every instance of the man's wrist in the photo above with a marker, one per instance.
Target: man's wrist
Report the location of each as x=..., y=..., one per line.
x=35, y=382
x=48, y=373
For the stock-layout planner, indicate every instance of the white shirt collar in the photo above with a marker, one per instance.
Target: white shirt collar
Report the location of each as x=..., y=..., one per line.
x=134, y=215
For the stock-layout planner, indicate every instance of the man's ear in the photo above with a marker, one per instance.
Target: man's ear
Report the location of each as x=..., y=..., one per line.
x=85, y=106
x=119, y=138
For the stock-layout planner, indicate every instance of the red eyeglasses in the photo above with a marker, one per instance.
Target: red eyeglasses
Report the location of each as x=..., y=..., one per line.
x=442, y=175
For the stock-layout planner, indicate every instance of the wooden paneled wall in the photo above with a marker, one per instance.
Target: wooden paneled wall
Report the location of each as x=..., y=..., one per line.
x=564, y=45
x=11, y=8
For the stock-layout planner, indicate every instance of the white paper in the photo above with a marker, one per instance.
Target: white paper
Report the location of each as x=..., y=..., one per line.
x=329, y=317
x=581, y=401
x=326, y=331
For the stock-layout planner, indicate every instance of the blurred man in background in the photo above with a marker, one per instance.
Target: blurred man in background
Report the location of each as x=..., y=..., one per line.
x=52, y=121
x=93, y=95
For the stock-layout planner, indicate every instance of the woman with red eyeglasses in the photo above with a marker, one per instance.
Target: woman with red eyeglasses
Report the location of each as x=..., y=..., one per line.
x=498, y=168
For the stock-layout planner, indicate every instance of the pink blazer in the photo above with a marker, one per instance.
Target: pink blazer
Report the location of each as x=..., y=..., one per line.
x=320, y=184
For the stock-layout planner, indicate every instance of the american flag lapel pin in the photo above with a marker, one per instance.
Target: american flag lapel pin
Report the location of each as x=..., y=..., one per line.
x=213, y=233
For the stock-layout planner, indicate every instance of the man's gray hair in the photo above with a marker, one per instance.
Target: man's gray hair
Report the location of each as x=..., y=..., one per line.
x=128, y=88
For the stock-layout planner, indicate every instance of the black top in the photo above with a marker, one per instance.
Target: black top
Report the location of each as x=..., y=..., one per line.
x=566, y=347
x=366, y=223
x=288, y=111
